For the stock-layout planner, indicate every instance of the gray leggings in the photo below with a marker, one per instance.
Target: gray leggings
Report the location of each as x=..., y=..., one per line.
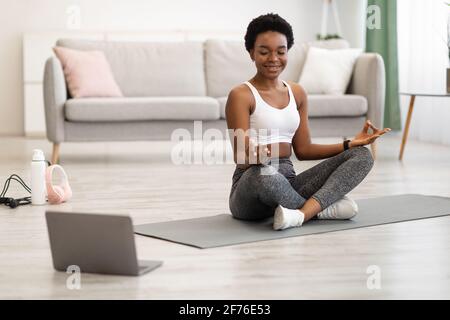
x=255, y=196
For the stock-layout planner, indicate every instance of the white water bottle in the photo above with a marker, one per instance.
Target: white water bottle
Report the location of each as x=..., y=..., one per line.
x=38, y=167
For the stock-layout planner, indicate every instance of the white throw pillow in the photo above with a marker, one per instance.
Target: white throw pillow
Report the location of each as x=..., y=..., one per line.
x=328, y=71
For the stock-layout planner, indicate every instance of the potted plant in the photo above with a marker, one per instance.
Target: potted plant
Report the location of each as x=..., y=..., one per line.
x=328, y=36
x=323, y=35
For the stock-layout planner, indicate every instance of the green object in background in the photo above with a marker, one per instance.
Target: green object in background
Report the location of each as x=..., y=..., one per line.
x=383, y=40
x=328, y=36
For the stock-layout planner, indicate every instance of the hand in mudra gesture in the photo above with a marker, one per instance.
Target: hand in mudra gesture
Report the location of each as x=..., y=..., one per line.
x=364, y=137
x=258, y=153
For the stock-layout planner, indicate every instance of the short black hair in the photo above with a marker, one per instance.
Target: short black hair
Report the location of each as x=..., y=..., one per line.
x=268, y=22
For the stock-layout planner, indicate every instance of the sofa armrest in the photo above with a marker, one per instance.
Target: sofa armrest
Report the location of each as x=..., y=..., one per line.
x=55, y=96
x=369, y=80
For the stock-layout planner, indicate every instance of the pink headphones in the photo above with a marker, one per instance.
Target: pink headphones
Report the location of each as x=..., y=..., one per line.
x=57, y=193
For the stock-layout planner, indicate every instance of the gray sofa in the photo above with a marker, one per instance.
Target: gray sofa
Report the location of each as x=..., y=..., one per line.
x=169, y=85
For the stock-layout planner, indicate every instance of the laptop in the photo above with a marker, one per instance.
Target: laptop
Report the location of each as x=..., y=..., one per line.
x=96, y=243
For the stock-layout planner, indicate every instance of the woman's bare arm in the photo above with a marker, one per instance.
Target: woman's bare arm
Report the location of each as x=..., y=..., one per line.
x=301, y=143
x=237, y=111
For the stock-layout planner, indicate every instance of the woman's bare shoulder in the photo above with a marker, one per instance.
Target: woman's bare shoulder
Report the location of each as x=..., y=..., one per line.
x=240, y=91
x=298, y=91
x=241, y=95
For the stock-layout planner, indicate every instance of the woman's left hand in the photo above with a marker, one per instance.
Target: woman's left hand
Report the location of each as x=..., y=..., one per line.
x=364, y=137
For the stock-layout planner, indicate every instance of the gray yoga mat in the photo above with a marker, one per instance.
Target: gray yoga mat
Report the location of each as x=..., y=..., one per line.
x=224, y=230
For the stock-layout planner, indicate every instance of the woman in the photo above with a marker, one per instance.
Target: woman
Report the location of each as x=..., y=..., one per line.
x=273, y=115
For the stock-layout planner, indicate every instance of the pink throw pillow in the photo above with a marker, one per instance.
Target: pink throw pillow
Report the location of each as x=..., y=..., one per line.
x=87, y=73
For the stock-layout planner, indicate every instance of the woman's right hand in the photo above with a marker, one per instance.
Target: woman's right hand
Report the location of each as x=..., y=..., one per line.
x=258, y=154
x=254, y=155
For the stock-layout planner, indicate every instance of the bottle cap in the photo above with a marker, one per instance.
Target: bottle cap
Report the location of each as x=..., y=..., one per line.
x=38, y=155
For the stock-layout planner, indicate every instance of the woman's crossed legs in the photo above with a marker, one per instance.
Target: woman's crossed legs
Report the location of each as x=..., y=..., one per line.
x=257, y=194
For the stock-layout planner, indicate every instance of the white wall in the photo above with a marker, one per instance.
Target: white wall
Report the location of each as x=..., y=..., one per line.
x=20, y=16
x=423, y=59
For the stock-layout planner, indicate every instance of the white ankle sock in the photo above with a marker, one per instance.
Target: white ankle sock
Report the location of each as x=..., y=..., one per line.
x=343, y=209
x=287, y=218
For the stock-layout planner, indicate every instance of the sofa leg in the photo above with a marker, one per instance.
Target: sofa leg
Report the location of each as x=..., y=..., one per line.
x=55, y=154
x=373, y=148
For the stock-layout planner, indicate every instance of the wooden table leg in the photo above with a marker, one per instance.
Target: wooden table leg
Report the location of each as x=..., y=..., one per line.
x=55, y=154
x=373, y=148
x=406, y=130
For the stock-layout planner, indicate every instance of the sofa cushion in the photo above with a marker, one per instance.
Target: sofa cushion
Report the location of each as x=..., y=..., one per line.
x=228, y=64
x=348, y=105
x=222, y=105
x=327, y=44
x=328, y=71
x=144, y=69
x=141, y=109
x=87, y=73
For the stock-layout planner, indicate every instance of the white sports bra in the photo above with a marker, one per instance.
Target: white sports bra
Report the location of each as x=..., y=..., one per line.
x=272, y=125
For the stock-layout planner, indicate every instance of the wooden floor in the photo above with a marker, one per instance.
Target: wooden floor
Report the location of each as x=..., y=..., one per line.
x=139, y=179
